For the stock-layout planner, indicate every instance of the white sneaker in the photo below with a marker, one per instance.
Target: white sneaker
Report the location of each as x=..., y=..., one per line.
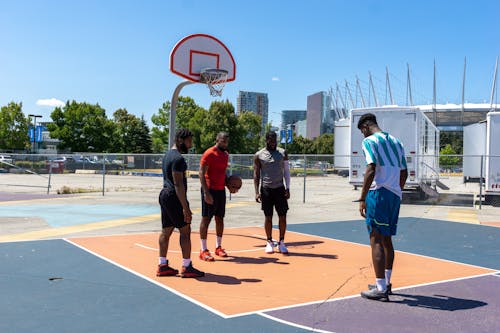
x=282, y=248
x=270, y=247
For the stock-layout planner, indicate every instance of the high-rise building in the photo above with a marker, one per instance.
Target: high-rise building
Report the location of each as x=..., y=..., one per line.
x=255, y=102
x=320, y=116
x=290, y=117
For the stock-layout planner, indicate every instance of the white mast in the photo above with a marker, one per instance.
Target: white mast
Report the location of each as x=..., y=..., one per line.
x=350, y=95
x=388, y=84
x=373, y=89
x=493, y=87
x=434, y=113
x=408, y=86
x=360, y=92
x=463, y=94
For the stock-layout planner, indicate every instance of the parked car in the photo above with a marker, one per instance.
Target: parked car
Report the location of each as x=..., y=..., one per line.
x=6, y=159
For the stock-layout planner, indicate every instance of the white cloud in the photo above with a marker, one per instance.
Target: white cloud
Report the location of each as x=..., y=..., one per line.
x=50, y=102
x=275, y=78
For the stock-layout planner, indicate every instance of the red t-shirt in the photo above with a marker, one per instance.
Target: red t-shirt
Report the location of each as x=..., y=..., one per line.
x=216, y=160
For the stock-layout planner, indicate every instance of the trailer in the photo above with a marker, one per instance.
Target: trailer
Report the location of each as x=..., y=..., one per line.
x=341, y=148
x=481, y=150
x=474, y=149
x=419, y=137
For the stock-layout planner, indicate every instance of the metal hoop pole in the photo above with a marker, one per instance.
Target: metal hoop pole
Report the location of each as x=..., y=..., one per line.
x=173, y=107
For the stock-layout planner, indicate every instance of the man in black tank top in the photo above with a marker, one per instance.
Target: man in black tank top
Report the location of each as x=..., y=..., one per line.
x=175, y=211
x=271, y=176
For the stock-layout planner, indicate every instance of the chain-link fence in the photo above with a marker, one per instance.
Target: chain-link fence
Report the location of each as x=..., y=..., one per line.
x=477, y=175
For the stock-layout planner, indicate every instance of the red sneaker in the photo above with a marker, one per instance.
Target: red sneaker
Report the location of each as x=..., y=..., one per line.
x=166, y=270
x=205, y=255
x=220, y=252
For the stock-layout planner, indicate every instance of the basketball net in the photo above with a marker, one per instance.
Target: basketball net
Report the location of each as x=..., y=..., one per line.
x=215, y=79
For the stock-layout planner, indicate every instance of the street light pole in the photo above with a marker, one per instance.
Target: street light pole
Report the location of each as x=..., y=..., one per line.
x=34, y=129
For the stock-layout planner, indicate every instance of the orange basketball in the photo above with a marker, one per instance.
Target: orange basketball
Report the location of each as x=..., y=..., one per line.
x=234, y=183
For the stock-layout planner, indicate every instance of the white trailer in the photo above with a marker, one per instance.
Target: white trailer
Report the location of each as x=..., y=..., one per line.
x=481, y=147
x=341, y=149
x=474, y=151
x=492, y=176
x=420, y=139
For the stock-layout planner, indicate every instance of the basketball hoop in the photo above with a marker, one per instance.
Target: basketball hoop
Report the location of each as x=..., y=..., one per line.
x=215, y=79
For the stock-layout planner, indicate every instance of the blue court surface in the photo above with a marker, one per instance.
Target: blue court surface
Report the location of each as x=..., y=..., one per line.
x=55, y=286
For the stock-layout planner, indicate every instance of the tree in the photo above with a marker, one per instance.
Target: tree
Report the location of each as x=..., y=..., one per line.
x=82, y=127
x=455, y=139
x=188, y=114
x=448, y=161
x=323, y=144
x=145, y=144
x=300, y=145
x=159, y=131
x=249, y=129
x=13, y=127
x=131, y=134
x=220, y=118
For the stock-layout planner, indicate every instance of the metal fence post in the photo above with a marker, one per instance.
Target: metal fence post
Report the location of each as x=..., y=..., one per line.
x=305, y=176
x=103, y=174
x=50, y=175
x=481, y=185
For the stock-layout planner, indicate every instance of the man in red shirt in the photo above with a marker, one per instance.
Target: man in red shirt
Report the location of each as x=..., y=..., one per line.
x=213, y=165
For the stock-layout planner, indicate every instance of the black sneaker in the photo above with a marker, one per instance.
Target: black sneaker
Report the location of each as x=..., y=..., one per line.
x=376, y=295
x=191, y=272
x=166, y=270
x=374, y=286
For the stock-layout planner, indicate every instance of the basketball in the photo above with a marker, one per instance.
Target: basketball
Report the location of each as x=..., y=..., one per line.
x=234, y=183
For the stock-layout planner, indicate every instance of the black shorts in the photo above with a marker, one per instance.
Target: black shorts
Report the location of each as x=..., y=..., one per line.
x=219, y=206
x=171, y=210
x=273, y=197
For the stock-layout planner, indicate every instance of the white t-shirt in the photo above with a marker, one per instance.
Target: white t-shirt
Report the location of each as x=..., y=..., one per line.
x=388, y=155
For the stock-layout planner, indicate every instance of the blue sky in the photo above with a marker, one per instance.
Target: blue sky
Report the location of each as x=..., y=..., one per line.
x=116, y=53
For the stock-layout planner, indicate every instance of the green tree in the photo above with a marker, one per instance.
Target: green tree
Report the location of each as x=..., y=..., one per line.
x=448, y=161
x=301, y=145
x=220, y=117
x=249, y=129
x=82, y=127
x=188, y=114
x=159, y=131
x=144, y=136
x=131, y=134
x=13, y=127
x=323, y=144
x=455, y=139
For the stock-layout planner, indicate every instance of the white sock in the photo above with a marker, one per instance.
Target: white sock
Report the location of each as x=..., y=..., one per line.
x=203, y=244
x=388, y=273
x=186, y=262
x=219, y=241
x=162, y=260
x=381, y=286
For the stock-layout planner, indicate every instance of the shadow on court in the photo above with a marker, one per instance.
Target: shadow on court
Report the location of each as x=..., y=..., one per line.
x=438, y=302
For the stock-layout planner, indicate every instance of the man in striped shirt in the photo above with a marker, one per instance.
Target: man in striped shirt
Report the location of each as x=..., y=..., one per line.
x=384, y=180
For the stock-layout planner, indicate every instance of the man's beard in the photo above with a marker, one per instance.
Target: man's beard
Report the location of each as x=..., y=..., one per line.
x=271, y=149
x=182, y=148
x=221, y=148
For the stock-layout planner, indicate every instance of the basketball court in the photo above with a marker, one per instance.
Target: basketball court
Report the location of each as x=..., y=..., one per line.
x=109, y=283
x=446, y=276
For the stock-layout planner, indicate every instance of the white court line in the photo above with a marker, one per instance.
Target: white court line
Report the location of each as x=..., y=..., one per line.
x=415, y=254
x=176, y=251
x=174, y=291
x=309, y=328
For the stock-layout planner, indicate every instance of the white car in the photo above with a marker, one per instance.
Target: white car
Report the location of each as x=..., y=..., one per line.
x=5, y=159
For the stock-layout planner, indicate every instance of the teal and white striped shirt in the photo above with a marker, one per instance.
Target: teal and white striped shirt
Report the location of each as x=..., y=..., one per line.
x=388, y=155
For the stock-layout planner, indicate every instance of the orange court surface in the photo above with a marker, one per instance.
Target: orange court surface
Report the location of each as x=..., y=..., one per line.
x=250, y=280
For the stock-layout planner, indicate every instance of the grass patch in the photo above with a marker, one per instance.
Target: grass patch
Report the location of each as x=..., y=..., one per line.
x=76, y=190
